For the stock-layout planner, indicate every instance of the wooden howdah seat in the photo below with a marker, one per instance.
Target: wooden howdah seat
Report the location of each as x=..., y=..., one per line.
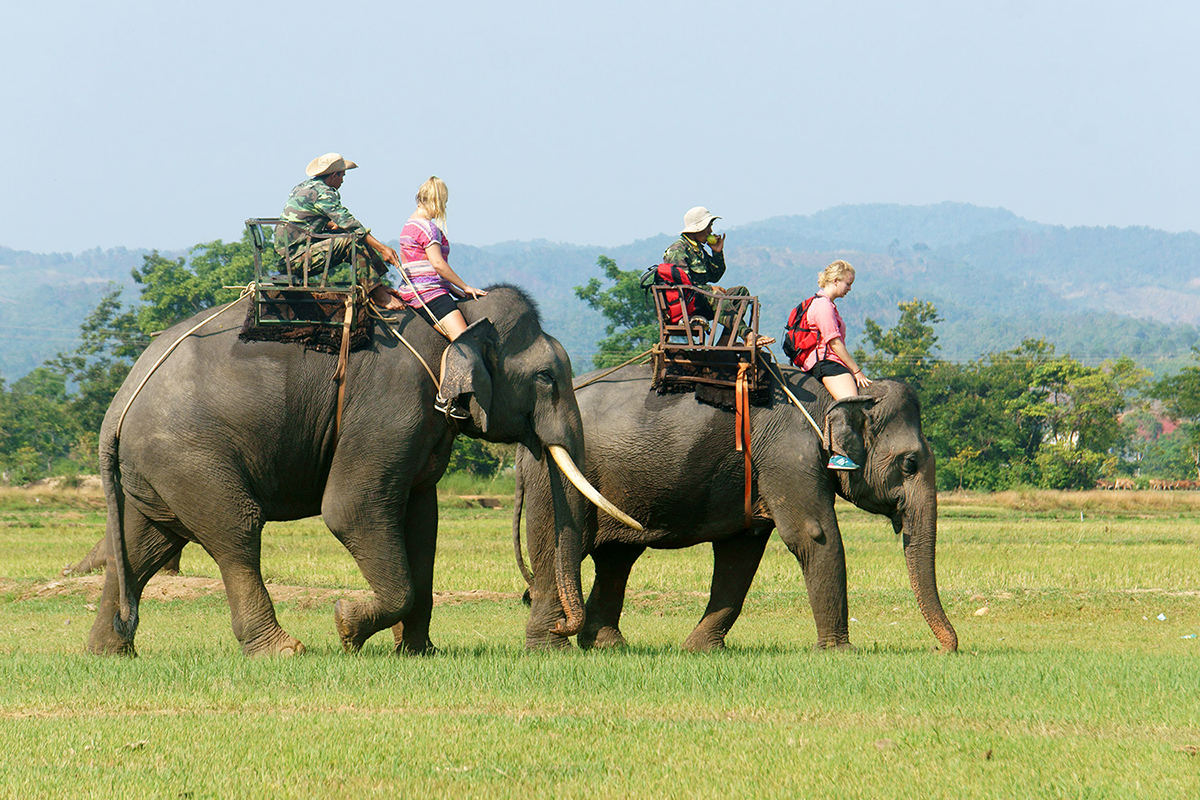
x=290, y=293
x=693, y=352
x=293, y=302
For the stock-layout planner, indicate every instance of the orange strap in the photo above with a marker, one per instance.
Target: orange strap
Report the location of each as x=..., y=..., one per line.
x=742, y=428
x=339, y=375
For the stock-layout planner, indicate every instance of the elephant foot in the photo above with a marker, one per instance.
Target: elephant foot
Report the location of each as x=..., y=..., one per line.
x=112, y=648
x=349, y=631
x=606, y=637
x=405, y=649
x=840, y=647
x=283, y=645
x=551, y=642
x=704, y=641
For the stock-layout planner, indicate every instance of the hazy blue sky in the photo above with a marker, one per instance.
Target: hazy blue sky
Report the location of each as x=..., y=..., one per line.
x=159, y=124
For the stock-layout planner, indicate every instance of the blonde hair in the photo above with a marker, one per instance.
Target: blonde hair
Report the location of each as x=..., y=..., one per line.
x=835, y=271
x=432, y=197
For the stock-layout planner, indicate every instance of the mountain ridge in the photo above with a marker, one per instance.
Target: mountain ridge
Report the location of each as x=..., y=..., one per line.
x=995, y=277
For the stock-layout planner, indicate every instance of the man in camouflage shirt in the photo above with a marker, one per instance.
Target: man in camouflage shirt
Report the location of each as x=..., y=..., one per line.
x=315, y=207
x=704, y=268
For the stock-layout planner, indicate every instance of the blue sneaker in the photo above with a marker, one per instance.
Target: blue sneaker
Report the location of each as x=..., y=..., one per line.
x=838, y=461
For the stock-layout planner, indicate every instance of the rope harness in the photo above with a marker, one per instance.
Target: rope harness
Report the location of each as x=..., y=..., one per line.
x=121, y=421
x=605, y=374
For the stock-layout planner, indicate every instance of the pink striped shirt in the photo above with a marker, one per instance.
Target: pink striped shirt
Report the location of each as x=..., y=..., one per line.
x=418, y=234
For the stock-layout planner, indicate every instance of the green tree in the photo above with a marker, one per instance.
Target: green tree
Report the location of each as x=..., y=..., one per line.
x=1180, y=396
x=631, y=327
x=50, y=419
x=111, y=343
x=173, y=290
x=39, y=428
x=905, y=352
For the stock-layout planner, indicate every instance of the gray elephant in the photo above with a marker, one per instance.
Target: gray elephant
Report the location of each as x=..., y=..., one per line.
x=226, y=435
x=672, y=461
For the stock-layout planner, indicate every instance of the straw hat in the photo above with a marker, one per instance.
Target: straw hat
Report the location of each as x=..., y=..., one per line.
x=330, y=162
x=697, y=219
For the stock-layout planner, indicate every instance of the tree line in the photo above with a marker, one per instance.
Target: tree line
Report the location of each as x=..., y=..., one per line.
x=1025, y=417
x=50, y=418
x=1013, y=418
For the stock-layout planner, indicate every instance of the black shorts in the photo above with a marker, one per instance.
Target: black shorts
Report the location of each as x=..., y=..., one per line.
x=440, y=306
x=828, y=368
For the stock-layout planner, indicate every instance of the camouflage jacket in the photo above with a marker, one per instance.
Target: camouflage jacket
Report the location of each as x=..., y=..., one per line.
x=704, y=267
x=312, y=206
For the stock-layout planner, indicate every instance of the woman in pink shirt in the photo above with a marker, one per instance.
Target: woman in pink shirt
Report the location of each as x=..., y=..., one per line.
x=831, y=362
x=427, y=282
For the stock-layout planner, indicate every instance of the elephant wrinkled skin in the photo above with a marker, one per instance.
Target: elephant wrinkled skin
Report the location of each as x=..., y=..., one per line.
x=227, y=435
x=671, y=463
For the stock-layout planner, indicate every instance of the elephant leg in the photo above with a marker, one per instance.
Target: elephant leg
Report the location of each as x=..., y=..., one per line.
x=816, y=542
x=93, y=561
x=172, y=565
x=735, y=561
x=602, y=615
x=420, y=528
x=375, y=537
x=148, y=545
x=250, y=608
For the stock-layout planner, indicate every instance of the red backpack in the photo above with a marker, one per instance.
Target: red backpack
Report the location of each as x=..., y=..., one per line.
x=671, y=275
x=800, y=337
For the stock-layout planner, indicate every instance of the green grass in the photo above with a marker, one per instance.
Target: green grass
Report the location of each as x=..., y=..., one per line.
x=1067, y=686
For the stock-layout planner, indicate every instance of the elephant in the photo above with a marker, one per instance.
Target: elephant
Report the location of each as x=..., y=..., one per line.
x=226, y=435
x=672, y=461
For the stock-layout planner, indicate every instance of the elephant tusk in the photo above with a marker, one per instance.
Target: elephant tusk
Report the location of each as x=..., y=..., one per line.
x=567, y=465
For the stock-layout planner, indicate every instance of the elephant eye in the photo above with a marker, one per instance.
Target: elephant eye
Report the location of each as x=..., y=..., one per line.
x=545, y=376
x=909, y=465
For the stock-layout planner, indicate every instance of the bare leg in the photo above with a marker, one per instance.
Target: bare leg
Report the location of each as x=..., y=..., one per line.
x=840, y=386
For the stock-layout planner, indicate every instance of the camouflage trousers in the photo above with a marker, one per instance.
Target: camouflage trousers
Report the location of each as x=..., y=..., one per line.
x=337, y=254
x=726, y=313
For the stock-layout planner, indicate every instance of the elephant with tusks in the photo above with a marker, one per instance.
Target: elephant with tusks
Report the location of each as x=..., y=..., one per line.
x=226, y=435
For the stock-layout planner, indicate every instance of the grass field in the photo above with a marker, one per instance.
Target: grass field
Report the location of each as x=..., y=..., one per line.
x=1078, y=675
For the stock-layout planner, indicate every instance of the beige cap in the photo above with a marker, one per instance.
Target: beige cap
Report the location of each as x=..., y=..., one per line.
x=330, y=162
x=697, y=219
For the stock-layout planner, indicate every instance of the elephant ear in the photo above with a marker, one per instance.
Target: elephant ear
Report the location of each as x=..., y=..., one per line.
x=467, y=377
x=846, y=424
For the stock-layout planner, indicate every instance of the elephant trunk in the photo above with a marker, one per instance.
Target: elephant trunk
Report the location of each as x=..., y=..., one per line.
x=919, y=524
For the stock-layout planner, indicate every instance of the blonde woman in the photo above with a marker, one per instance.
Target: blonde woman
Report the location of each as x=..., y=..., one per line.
x=830, y=361
x=428, y=283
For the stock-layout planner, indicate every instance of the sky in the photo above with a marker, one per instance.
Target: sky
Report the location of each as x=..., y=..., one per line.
x=163, y=125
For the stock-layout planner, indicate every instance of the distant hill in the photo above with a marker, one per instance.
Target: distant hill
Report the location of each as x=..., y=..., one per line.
x=995, y=278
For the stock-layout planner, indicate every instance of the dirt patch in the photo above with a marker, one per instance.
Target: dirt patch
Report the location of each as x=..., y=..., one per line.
x=181, y=587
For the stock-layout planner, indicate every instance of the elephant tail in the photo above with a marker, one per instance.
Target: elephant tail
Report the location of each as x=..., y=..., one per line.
x=518, y=507
x=125, y=621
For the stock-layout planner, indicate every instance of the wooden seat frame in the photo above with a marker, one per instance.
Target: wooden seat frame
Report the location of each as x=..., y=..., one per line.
x=692, y=350
x=301, y=284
